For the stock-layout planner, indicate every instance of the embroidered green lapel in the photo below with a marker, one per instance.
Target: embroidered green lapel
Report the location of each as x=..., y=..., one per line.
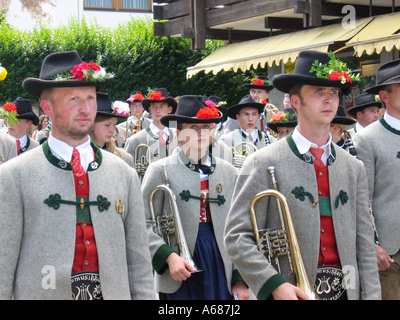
x=61, y=164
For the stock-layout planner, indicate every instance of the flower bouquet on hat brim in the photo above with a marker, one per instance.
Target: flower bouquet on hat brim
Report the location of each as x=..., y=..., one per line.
x=334, y=70
x=9, y=113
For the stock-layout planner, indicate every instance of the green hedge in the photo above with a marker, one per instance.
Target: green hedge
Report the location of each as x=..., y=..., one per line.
x=139, y=60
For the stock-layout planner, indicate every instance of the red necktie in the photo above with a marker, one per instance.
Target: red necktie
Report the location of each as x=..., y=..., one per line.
x=163, y=143
x=18, y=146
x=317, y=153
x=76, y=164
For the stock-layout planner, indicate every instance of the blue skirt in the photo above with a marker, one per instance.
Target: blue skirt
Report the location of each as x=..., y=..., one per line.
x=210, y=284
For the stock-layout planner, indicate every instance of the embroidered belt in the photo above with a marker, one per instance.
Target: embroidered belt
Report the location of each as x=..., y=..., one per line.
x=86, y=286
x=329, y=283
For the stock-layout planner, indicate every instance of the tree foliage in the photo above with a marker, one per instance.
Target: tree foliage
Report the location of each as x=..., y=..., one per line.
x=139, y=60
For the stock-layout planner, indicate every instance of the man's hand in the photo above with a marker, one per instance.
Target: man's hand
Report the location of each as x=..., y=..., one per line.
x=287, y=291
x=384, y=260
x=179, y=268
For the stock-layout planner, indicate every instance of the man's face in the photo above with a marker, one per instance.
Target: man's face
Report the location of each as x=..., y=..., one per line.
x=20, y=129
x=259, y=94
x=368, y=115
x=315, y=104
x=159, y=109
x=72, y=112
x=136, y=109
x=247, y=118
x=391, y=98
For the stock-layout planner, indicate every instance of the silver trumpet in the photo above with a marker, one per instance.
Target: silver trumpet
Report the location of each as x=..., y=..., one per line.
x=166, y=225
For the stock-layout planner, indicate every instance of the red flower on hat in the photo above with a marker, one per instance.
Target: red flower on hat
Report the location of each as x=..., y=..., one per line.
x=10, y=107
x=156, y=95
x=207, y=113
x=138, y=96
x=258, y=82
x=83, y=70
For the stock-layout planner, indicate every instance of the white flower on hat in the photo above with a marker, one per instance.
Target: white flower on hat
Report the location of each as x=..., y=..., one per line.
x=121, y=108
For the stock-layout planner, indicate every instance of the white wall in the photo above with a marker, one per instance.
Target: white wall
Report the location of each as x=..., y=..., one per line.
x=63, y=11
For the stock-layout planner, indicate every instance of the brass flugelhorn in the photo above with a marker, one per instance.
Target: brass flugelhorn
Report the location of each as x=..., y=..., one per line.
x=241, y=151
x=281, y=241
x=166, y=225
x=142, y=162
x=133, y=125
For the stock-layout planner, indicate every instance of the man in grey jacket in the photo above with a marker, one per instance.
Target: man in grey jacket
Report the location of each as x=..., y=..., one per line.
x=378, y=147
x=326, y=191
x=82, y=234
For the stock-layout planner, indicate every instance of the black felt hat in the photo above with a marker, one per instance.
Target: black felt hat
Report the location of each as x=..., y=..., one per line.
x=364, y=100
x=291, y=122
x=259, y=82
x=156, y=97
x=105, y=106
x=192, y=109
x=24, y=110
x=56, y=72
x=341, y=118
x=302, y=74
x=247, y=101
x=386, y=74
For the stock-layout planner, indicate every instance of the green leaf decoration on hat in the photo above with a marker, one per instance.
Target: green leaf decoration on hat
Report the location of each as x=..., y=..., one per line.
x=334, y=70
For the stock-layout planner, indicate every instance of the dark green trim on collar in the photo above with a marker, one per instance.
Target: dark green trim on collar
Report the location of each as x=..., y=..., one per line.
x=151, y=134
x=61, y=164
x=28, y=143
x=388, y=127
x=305, y=157
x=194, y=166
x=248, y=137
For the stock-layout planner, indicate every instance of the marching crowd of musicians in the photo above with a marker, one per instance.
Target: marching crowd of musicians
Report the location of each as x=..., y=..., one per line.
x=158, y=197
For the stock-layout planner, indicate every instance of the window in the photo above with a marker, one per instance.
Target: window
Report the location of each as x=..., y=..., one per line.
x=118, y=4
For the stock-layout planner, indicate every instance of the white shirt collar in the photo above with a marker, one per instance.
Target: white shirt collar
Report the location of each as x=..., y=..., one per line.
x=23, y=140
x=254, y=134
x=304, y=145
x=63, y=151
x=154, y=129
x=358, y=127
x=392, y=121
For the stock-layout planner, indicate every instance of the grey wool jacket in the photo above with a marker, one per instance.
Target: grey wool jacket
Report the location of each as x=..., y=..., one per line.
x=37, y=232
x=297, y=182
x=8, y=147
x=378, y=147
x=184, y=180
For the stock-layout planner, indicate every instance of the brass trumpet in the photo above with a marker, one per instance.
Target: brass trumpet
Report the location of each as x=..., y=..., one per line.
x=241, y=151
x=166, y=225
x=142, y=162
x=277, y=242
